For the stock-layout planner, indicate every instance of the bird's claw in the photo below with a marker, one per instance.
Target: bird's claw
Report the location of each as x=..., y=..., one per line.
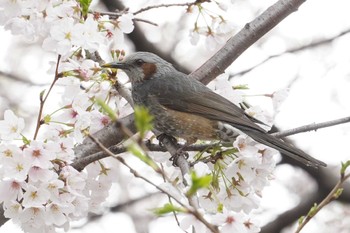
x=161, y=137
x=180, y=152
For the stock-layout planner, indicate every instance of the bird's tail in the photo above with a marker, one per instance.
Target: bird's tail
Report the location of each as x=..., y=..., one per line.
x=284, y=148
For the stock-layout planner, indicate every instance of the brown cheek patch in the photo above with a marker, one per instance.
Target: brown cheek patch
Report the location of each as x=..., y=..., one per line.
x=149, y=69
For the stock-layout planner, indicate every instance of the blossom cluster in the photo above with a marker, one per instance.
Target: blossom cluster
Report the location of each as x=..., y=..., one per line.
x=39, y=190
x=62, y=26
x=215, y=28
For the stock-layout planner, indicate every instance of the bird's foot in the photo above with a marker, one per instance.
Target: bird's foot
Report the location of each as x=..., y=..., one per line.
x=161, y=137
x=180, y=152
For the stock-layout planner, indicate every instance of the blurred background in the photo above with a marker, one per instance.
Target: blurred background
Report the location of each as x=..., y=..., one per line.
x=307, y=54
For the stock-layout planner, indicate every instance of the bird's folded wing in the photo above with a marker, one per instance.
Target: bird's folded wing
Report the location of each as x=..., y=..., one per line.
x=208, y=104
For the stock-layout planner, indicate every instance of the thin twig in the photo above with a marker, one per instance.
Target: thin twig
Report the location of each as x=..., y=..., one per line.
x=43, y=99
x=311, y=127
x=112, y=15
x=169, y=197
x=115, y=15
x=334, y=194
x=188, y=4
x=145, y=21
x=19, y=79
x=292, y=50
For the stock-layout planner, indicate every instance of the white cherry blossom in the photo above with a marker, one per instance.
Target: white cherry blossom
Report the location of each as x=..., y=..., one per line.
x=11, y=127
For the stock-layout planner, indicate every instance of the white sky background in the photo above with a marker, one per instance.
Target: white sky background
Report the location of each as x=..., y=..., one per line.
x=319, y=80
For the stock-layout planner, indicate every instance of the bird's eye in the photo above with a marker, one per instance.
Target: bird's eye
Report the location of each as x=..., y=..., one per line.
x=139, y=62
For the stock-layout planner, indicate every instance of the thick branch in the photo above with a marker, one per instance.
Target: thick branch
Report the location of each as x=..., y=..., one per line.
x=108, y=136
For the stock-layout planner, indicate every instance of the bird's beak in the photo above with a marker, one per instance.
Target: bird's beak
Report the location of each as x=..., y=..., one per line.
x=116, y=65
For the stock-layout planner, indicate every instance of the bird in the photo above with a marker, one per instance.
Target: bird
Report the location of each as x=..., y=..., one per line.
x=183, y=107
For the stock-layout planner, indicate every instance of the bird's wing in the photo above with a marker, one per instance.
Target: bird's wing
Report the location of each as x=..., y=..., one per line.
x=192, y=96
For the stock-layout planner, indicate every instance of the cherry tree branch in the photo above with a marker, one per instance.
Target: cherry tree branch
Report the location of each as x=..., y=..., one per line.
x=188, y=4
x=145, y=21
x=333, y=195
x=311, y=127
x=43, y=98
x=286, y=218
x=115, y=15
x=14, y=77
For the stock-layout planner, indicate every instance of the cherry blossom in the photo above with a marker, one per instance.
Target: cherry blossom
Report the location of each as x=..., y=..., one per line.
x=11, y=127
x=11, y=189
x=39, y=155
x=60, y=39
x=35, y=197
x=230, y=221
x=190, y=221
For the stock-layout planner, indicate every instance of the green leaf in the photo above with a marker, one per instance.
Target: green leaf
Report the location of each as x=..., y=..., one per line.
x=106, y=109
x=344, y=166
x=168, y=208
x=138, y=152
x=313, y=210
x=25, y=140
x=199, y=183
x=85, y=4
x=220, y=208
x=301, y=219
x=143, y=120
x=338, y=193
x=230, y=151
x=41, y=95
x=240, y=87
x=216, y=180
x=47, y=119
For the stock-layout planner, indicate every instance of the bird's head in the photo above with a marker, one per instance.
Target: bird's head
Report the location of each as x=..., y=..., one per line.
x=142, y=66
